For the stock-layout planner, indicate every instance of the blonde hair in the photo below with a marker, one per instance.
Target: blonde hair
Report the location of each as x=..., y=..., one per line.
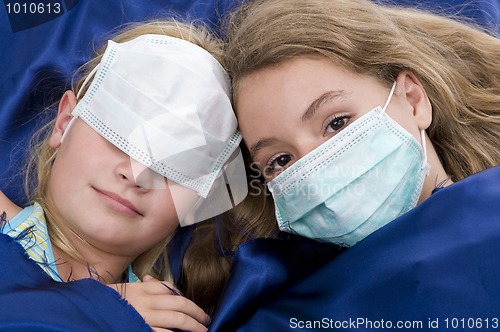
x=40, y=164
x=207, y=260
x=458, y=64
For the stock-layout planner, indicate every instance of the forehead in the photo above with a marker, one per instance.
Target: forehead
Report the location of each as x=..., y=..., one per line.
x=305, y=74
x=299, y=77
x=293, y=85
x=272, y=101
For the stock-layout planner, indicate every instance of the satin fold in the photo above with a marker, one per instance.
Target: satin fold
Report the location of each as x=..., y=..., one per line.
x=30, y=300
x=437, y=263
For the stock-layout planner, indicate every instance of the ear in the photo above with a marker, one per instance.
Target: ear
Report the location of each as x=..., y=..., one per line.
x=66, y=105
x=410, y=87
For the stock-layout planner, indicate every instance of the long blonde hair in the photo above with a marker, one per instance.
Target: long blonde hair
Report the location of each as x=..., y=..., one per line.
x=458, y=64
x=40, y=163
x=206, y=264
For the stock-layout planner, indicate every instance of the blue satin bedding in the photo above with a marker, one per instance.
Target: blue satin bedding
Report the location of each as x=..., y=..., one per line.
x=437, y=264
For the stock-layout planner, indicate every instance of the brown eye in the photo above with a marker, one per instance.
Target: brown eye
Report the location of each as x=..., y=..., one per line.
x=276, y=165
x=282, y=160
x=336, y=124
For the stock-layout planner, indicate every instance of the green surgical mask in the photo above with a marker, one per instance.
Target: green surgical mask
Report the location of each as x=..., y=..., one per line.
x=353, y=184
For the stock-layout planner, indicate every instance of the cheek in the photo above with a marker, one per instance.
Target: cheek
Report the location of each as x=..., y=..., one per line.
x=182, y=201
x=163, y=211
x=412, y=128
x=65, y=173
x=404, y=117
x=163, y=224
x=166, y=225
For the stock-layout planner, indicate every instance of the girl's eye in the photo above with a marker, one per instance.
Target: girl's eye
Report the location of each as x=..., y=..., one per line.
x=276, y=164
x=336, y=124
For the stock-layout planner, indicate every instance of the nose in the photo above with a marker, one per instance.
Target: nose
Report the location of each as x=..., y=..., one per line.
x=306, y=145
x=138, y=175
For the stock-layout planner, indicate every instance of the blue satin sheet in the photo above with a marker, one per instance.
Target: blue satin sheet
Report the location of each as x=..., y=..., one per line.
x=436, y=266
x=30, y=300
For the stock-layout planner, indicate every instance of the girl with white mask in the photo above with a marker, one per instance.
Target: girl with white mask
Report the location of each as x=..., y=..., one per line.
x=146, y=141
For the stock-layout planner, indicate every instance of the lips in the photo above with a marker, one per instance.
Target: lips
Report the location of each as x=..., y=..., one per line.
x=118, y=203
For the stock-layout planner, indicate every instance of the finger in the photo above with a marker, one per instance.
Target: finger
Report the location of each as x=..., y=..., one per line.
x=178, y=304
x=173, y=320
x=120, y=288
x=155, y=295
x=154, y=286
x=148, y=277
x=150, y=286
x=172, y=290
x=169, y=285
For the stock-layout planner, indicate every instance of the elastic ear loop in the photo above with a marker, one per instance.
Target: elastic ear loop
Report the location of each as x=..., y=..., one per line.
x=422, y=132
x=388, y=100
x=425, y=165
x=87, y=79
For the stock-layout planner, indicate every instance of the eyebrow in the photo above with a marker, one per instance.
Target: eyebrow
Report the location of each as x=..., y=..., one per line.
x=254, y=149
x=311, y=110
x=316, y=104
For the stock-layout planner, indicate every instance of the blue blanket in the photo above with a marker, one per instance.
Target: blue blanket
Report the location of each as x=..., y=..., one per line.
x=40, y=51
x=31, y=301
x=436, y=267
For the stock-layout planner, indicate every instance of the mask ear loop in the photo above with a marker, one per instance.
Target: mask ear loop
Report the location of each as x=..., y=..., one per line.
x=74, y=113
x=391, y=93
x=425, y=165
x=87, y=79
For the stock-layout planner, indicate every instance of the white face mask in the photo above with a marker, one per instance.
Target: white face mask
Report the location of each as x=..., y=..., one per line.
x=165, y=102
x=359, y=180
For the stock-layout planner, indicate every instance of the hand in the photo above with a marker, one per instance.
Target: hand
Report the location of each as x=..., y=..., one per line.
x=159, y=306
